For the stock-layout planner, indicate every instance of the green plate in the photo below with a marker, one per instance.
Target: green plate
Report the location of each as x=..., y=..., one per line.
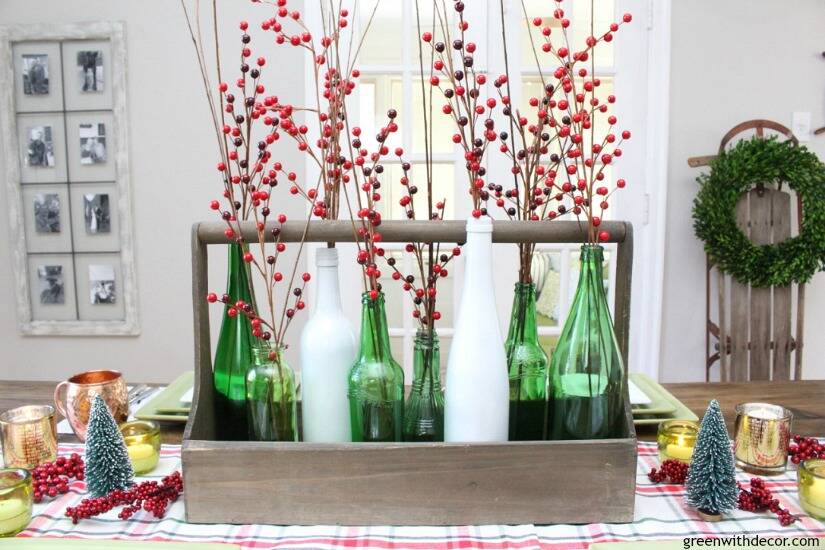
x=660, y=404
x=48, y=543
x=680, y=412
x=165, y=406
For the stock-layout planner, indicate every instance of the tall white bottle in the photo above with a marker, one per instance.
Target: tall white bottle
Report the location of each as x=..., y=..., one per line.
x=328, y=351
x=477, y=397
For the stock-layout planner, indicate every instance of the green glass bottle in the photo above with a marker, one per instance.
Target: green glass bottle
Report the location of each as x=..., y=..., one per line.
x=271, y=401
x=376, y=381
x=527, y=368
x=424, y=411
x=587, y=397
x=233, y=355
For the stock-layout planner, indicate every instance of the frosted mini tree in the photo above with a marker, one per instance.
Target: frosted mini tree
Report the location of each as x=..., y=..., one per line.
x=107, y=461
x=711, y=482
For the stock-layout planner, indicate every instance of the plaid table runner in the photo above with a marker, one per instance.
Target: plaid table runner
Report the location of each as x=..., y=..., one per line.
x=660, y=514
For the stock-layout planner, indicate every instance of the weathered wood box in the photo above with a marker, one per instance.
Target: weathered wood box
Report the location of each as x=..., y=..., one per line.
x=404, y=483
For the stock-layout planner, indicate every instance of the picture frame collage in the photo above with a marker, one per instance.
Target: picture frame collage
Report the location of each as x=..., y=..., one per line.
x=71, y=222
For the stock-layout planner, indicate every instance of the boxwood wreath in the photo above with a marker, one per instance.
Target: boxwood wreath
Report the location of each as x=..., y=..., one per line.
x=738, y=170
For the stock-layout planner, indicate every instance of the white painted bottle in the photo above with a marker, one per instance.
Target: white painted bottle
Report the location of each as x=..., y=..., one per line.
x=477, y=396
x=328, y=350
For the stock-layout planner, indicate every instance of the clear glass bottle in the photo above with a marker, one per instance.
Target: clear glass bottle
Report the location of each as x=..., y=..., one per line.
x=587, y=396
x=233, y=354
x=272, y=404
x=424, y=411
x=376, y=380
x=527, y=367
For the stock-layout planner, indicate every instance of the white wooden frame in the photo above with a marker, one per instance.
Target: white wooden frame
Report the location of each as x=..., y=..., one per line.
x=114, y=32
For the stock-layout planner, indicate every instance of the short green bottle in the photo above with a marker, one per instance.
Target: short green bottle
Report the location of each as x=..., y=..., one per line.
x=271, y=400
x=376, y=380
x=424, y=411
x=527, y=369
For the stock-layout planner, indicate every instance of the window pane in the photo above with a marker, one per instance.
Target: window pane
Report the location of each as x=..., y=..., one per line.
x=528, y=31
x=382, y=44
x=431, y=21
x=443, y=182
x=604, y=11
x=442, y=126
x=546, y=273
x=377, y=95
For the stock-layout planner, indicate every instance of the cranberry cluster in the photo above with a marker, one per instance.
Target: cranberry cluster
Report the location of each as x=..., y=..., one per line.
x=805, y=448
x=671, y=471
x=52, y=478
x=149, y=496
x=759, y=499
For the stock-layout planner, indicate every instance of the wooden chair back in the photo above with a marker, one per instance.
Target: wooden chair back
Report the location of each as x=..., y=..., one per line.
x=753, y=332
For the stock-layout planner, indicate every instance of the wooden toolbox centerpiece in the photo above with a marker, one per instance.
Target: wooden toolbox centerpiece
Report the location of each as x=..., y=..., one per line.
x=521, y=482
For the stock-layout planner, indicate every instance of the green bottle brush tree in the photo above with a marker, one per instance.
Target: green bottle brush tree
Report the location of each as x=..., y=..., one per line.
x=107, y=461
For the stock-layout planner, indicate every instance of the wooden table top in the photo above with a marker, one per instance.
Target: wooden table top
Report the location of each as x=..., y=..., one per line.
x=805, y=398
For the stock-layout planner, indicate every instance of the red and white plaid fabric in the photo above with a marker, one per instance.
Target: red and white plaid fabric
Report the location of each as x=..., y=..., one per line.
x=660, y=514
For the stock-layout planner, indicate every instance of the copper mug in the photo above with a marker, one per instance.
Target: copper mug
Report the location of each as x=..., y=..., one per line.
x=81, y=390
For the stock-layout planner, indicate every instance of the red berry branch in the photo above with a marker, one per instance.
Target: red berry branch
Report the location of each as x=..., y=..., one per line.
x=246, y=130
x=149, y=496
x=557, y=159
x=670, y=471
x=804, y=448
x=760, y=499
x=333, y=59
x=52, y=478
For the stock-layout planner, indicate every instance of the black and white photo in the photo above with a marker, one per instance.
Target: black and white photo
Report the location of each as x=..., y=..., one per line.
x=92, y=143
x=47, y=213
x=96, y=213
x=40, y=148
x=101, y=284
x=90, y=69
x=35, y=74
x=50, y=278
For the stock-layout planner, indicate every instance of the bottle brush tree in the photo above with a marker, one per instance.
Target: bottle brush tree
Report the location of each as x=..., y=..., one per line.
x=711, y=482
x=107, y=461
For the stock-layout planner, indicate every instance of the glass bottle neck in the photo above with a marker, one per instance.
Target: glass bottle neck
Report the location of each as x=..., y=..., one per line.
x=523, y=326
x=238, y=275
x=375, y=338
x=426, y=363
x=592, y=261
x=262, y=354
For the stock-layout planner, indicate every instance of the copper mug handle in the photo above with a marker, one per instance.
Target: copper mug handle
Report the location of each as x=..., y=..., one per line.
x=59, y=403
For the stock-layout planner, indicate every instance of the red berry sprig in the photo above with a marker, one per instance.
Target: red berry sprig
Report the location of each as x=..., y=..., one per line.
x=805, y=448
x=149, y=496
x=671, y=471
x=760, y=498
x=52, y=478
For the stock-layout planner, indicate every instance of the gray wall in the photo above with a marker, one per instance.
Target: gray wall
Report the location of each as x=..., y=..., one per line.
x=173, y=157
x=732, y=61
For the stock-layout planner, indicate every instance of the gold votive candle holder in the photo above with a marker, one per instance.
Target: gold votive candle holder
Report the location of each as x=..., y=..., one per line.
x=29, y=436
x=15, y=501
x=142, y=439
x=676, y=439
x=811, y=483
x=761, y=437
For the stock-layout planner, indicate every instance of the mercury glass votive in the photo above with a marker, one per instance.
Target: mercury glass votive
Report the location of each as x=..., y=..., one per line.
x=15, y=501
x=811, y=483
x=761, y=437
x=676, y=439
x=142, y=439
x=29, y=436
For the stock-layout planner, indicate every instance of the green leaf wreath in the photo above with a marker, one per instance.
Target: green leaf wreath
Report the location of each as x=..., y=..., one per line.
x=736, y=171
